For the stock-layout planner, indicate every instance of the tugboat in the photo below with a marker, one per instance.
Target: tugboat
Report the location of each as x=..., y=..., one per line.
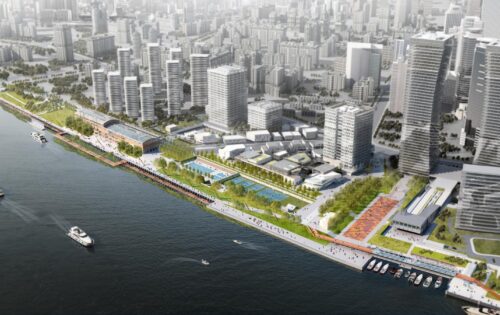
x=377, y=267
x=418, y=280
x=80, y=236
x=399, y=273
x=38, y=137
x=371, y=264
x=237, y=242
x=438, y=282
x=384, y=269
x=479, y=310
x=427, y=282
x=205, y=262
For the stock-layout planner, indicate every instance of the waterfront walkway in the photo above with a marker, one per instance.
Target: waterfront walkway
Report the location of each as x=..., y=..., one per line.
x=342, y=254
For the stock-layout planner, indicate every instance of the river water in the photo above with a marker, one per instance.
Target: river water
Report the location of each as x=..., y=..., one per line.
x=149, y=244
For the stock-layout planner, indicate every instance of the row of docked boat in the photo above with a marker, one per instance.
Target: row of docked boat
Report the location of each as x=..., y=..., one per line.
x=413, y=278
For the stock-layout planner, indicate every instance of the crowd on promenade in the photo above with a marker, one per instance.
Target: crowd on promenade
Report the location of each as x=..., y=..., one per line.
x=342, y=254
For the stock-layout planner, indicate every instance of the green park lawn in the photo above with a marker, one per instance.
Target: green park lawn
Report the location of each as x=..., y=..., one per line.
x=13, y=98
x=457, y=261
x=59, y=116
x=388, y=242
x=415, y=186
x=486, y=246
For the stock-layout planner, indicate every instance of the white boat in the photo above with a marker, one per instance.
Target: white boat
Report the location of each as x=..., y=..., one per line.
x=438, y=282
x=80, y=236
x=38, y=137
x=398, y=273
x=205, y=262
x=384, y=269
x=470, y=310
x=418, y=280
x=2, y=194
x=412, y=277
x=377, y=267
x=237, y=242
x=427, y=282
x=371, y=264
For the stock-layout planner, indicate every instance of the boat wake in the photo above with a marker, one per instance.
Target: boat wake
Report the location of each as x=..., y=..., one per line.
x=26, y=214
x=255, y=247
x=186, y=259
x=61, y=222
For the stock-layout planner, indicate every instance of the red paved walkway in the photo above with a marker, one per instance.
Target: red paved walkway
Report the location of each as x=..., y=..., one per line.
x=365, y=224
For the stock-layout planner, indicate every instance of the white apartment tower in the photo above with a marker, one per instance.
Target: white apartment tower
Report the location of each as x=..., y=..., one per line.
x=427, y=68
x=99, y=86
x=398, y=85
x=265, y=115
x=174, y=87
x=490, y=16
x=115, y=86
x=227, y=97
x=488, y=146
x=401, y=12
x=99, y=19
x=452, y=17
x=199, y=79
x=132, y=105
x=124, y=63
x=363, y=60
x=154, y=67
x=63, y=43
x=347, y=142
x=147, y=102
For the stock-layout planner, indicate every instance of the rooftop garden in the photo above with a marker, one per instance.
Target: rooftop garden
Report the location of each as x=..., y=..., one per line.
x=452, y=260
x=415, y=186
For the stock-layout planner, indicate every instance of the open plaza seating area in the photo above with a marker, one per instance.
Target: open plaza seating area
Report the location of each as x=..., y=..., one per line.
x=369, y=220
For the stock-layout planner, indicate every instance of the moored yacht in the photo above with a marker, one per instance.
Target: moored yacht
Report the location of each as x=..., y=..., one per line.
x=384, y=269
x=377, y=267
x=418, y=280
x=427, y=282
x=438, y=282
x=371, y=264
x=80, y=236
x=470, y=310
x=412, y=277
x=399, y=273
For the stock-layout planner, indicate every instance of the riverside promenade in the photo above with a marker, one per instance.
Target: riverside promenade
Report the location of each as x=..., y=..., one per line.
x=348, y=256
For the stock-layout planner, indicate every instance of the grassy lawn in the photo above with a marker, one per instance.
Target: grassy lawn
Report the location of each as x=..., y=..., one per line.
x=415, y=185
x=489, y=247
x=13, y=98
x=58, y=117
x=457, y=261
x=177, y=150
x=388, y=242
x=447, y=236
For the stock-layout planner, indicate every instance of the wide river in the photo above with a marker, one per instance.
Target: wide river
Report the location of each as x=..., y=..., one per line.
x=149, y=244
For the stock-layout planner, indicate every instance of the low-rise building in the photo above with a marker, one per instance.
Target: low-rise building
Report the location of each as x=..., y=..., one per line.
x=112, y=129
x=259, y=136
x=231, y=151
x=234, y=139
x=415, y=223
x=206, y=138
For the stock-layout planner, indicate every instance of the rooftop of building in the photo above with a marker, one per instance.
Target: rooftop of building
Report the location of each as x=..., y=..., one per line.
x=96, y=117
x=264, y=105
x=416, y=219
x=437, y=36
x=227, y=69
x=285, y=166
x=131, y=133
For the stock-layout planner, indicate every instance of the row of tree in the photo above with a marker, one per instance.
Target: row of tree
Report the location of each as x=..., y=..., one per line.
x=77, y=124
